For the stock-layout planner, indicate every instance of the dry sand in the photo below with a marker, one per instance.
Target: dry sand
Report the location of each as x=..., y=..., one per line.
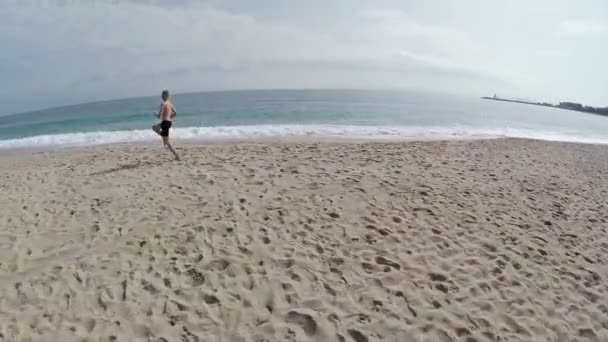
x=501, y=240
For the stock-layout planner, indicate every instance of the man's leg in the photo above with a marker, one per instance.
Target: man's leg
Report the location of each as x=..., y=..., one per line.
x=157, y=129
x=168, y=145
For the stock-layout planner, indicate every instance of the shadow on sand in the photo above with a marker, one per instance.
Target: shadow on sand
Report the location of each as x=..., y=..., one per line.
x=131, y=166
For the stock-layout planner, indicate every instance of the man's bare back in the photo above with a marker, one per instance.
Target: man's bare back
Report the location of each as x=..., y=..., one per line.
x=166, y=110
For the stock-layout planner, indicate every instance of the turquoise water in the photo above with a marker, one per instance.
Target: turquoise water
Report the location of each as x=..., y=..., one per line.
x=315, y=113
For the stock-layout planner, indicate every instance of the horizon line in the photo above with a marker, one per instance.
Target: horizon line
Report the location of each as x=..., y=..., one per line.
x=216, y=91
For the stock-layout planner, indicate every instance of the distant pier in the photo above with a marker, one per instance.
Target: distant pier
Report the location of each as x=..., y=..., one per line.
x=562, y=105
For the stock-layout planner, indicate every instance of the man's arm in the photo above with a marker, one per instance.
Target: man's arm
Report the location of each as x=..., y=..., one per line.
x=160, y=109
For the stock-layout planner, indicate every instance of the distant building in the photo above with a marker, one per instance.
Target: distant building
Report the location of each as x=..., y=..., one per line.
x=571, y=106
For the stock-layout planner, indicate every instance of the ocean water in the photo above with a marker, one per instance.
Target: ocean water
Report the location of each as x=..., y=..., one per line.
x=352, y=114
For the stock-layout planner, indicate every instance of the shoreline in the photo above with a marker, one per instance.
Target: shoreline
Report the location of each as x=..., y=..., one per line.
x=286, y=133
x=274, y=141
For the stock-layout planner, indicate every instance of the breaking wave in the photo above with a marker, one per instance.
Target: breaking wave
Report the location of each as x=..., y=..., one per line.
x=287, y=131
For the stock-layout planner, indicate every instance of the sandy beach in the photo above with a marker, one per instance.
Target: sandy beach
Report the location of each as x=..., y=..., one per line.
x=497, y=240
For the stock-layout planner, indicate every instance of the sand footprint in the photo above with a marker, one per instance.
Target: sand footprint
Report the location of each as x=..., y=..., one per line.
x=305, y=321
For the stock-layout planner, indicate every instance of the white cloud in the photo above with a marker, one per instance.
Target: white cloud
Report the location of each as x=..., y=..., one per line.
x=430, y=60
x=55, y=52
x=86, y=50
x=382, y=14
x=552, y=53
x=398, y=26
x=582, y=27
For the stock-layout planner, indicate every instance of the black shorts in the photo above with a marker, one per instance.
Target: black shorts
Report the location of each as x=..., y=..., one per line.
x=164, y=128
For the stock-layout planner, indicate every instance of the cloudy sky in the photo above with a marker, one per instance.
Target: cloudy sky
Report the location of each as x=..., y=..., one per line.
x=71, y=51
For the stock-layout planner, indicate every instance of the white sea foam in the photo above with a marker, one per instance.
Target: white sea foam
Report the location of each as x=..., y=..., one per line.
x=287, y=131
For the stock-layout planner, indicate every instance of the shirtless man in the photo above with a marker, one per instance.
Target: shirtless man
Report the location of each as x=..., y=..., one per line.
x=166, y=113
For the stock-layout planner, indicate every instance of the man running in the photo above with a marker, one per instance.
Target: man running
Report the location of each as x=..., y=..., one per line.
x=166, y=113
